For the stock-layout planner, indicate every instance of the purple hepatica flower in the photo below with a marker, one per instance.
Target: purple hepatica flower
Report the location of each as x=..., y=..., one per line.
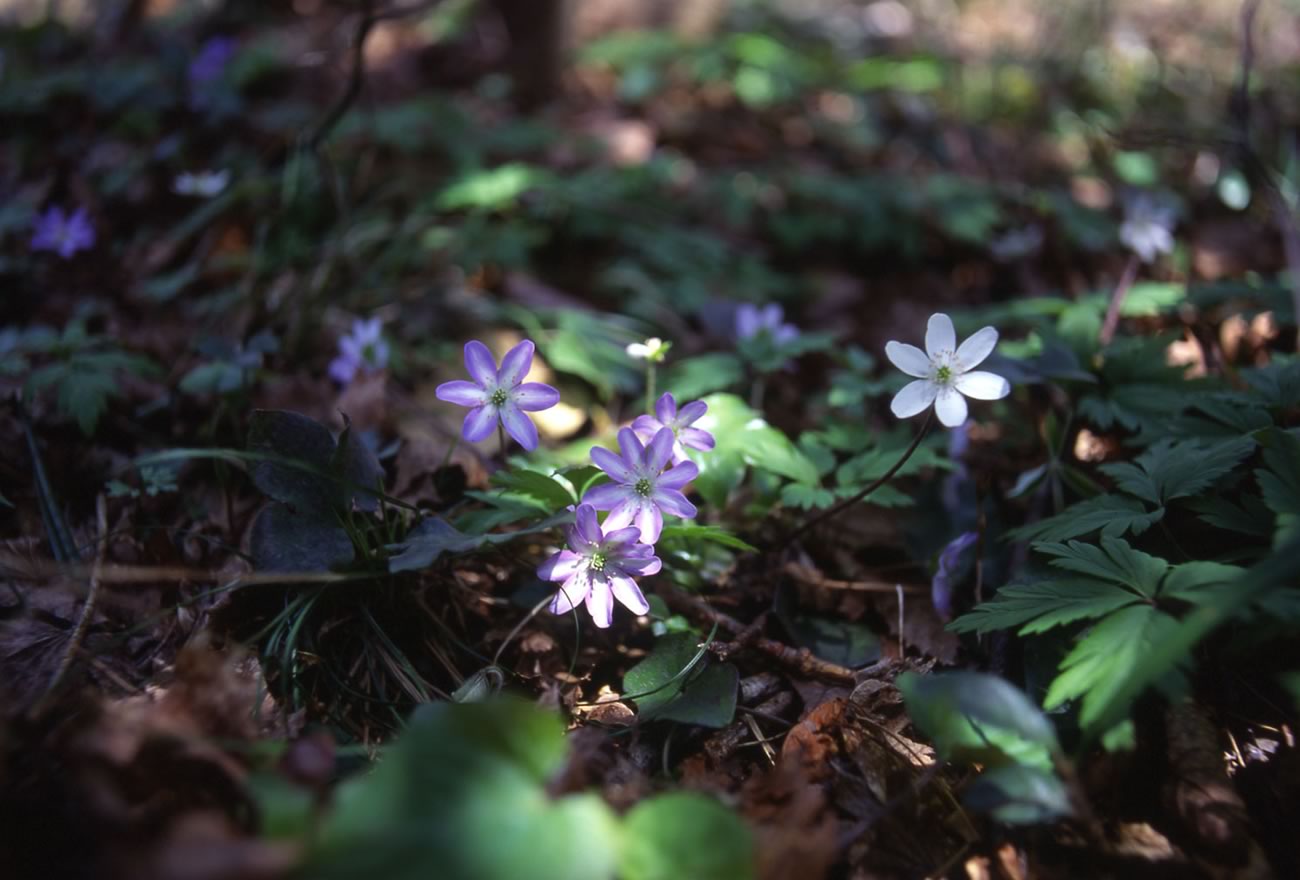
x=667, y=415
x=941, y=586
x=600, y=567
x=498, y=395
x=642, y=490
x=63, y=233
x=751, y=321
x=362, y=350
x=211, y=61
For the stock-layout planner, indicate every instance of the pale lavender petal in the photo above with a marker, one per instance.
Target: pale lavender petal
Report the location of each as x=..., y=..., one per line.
x=461, y=393
x=691, y=413
x=746, y=321
x=651, y=522
x=914, y=398
x=633, y=451
x=625, y=591
x=982, y=386
x=600, y=603
x=659, y=450
x=666, y=409
x=939, y=335
x=587, y=524
x=974, y=350
x=622, y=536
x=696, y=438
x=350, y=348
x=642, y=565
x=771, y=316
x=674, y=502
x=515, y=365
x=612, y=465
x=343, y=370
x=578, y=543
x=571, y=592
x=678, y=476
x=785, y=334
x=478, y=360
x=534, y=396
x=559, y=567
x=646, y=427
x=479, y=423
x=908, y=358
x=607, y=496
x=950, y=407
x=519, y=426
x=622, y=513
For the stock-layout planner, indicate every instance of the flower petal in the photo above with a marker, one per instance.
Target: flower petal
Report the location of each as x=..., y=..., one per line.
x=622, y=513
x=642, y=565
x=631, y=447
x=982, y=386
x=343, y=370
x=651, y=522
x=571, y=592
x=691, y=413
x=746, y=321
x=600, y=603
x=478, y=360
x=587, y=524
x=646, y=427
x=519, y=426
x=974, y=350
x=674, y=502
x=908, y=358
x=696, y=438
x=559, y=567
x=479, y=423
x=461, y=393
x=951, y=408
x=534, y=396
x=607, y=496
x=914, y=398
x=939, y=335
x=678, y=476
x=515, y=365
x=626, y=591
x=659, y=450
x=612, y=465
x=623, y=536
x=666, y=408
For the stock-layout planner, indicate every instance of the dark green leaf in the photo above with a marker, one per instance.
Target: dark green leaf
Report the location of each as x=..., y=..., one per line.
x=1043, y=605
x=306, y=485
x=713, y=534
x=1019, y=795
x=678, y=683
x=685, y=835
x=286, y=541
x=1173, y=469
x=433, y=537
x=1113, y=515
x=1113, y=561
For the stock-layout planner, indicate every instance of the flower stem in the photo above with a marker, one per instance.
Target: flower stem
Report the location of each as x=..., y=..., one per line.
x=876, y=484
x=501, y=441
x=1111, y=321
x=649, y=386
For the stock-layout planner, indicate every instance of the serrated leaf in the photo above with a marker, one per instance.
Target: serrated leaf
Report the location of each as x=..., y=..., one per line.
x=1171, y=469
x=1193, y=581
x=1038, y=607
x=1251, y=517
x=1112, y=515
x=665, y=685
x=1113, y=561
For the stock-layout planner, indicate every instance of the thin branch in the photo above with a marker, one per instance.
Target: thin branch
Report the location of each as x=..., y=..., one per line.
x=356, y=77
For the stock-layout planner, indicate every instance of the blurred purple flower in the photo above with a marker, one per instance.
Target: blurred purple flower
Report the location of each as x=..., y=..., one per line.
x=362, y=350
x=498, y=395
x=210, y=62
x=63, y=233
x=599, y=567
x=941, y=585
x=667, y=415
x=642, y=490
x=770, y=319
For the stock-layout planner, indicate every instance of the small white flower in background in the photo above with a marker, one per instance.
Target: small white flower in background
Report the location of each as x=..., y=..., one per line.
x=1148, y=228
x=653, y=349
x=943, y=372
x=204, y=184
x=1016, y=244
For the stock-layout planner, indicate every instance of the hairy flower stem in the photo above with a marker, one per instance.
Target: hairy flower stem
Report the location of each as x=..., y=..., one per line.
x=1111, y=322
x=876, y=484
x=649, y=386
x=501, y=441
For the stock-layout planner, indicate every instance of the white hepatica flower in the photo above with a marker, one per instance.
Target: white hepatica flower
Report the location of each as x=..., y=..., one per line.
x=1148, y=228
x=943, y=372
x=653, y=349
x=204, y=184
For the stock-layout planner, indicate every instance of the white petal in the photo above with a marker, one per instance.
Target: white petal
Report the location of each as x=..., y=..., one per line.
x=914, y=398
x=951, y=408
x=600, y=603
x=975, y=349
x=908, y=358
x=939, y=335
x=982, y=386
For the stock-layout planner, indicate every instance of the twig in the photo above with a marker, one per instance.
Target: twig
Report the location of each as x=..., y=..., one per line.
x=356, y=77
x=1111, y=322
x=87, y=611
x=807, y=575
x=876, y=484
x=902, y=645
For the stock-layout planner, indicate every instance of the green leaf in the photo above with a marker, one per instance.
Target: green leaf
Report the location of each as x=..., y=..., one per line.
x=544, y=488
x=462, y=796
x=679, y=683
x=1251, y=517
x=1019, y=795
x=1113, y=515
x=979, y=718
x=1171, y=469
x=838, y=641
x=1193, y=581
x=685, y=835
x=433, y=537
x=284, y=541
x=703, y=374
x=1103, y=660
x=1043, y=605
x=1113, y=561
x=305, y=486
x=1279, y=481
x=356, y=466
x=713, y=534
